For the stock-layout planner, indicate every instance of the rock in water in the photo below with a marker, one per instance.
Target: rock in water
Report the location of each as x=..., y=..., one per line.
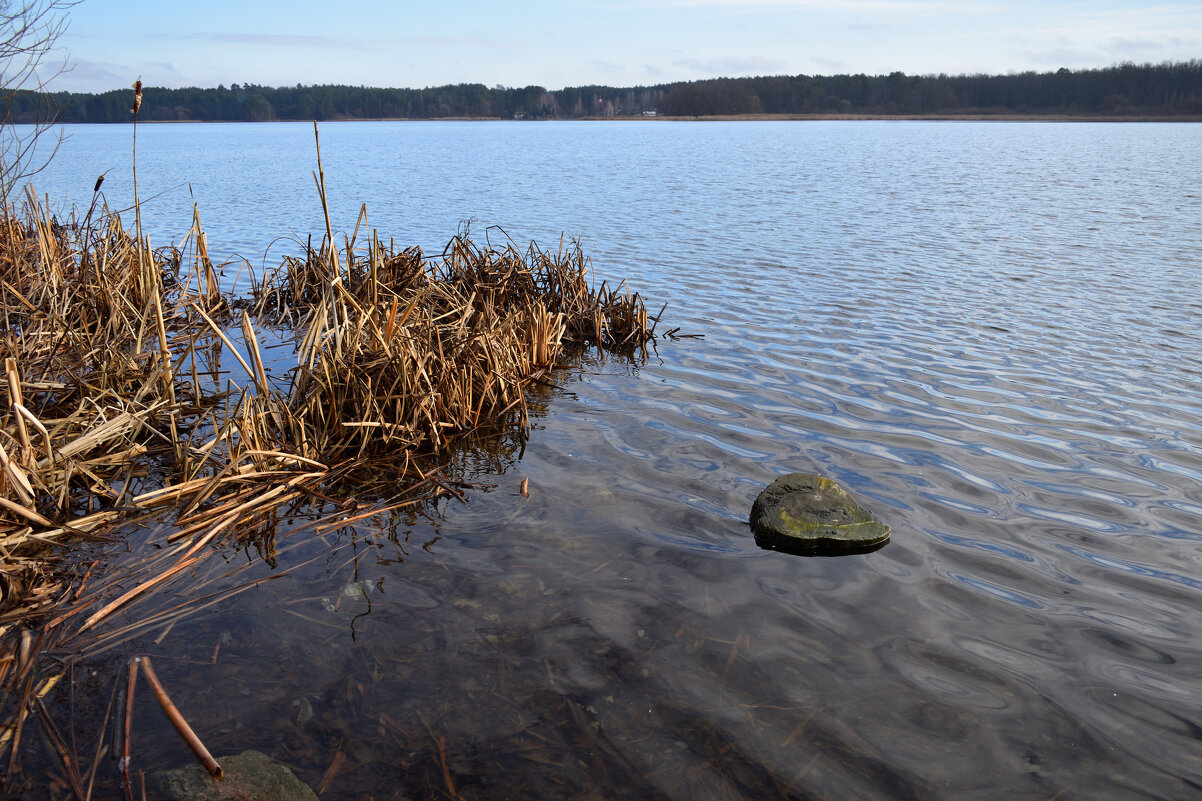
x=805, y=514
x=249, y=776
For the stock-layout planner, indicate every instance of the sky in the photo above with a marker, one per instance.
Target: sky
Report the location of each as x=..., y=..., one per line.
x=109, y=43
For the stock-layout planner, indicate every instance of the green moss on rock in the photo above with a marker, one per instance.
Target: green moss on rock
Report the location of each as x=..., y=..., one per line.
x=807, y=514
x=249, y=776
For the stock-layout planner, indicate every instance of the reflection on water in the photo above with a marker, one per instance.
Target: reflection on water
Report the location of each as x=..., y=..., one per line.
x=987, y=333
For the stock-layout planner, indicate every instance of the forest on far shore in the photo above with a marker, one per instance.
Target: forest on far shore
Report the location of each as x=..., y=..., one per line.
x=1171, y=89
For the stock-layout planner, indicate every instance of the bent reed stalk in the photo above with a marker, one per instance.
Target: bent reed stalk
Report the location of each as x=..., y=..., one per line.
x=114, y=409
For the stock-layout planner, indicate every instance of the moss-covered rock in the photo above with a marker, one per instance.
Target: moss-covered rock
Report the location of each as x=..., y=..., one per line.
x=807, y=514
x=249, y=776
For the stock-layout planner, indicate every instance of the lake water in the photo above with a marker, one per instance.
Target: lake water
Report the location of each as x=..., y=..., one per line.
x=989, y=333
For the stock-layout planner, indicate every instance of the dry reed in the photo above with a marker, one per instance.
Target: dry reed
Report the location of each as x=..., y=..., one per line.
x=401, y=352
x=115, y=410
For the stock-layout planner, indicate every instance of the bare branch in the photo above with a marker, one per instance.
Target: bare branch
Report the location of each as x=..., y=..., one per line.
x=29, y=31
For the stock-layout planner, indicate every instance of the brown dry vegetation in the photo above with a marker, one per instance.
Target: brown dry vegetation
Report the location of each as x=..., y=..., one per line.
x=113, y=409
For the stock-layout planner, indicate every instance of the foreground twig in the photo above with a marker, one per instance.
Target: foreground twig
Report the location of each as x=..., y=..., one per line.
x=177, y=720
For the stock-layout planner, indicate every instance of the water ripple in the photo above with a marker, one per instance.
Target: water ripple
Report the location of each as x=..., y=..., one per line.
x=989, y=334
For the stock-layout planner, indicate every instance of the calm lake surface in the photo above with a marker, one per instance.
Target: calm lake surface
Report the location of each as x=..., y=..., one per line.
x=989, y=333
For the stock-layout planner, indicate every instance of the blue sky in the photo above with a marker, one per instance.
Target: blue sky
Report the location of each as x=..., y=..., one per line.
x=615, y=42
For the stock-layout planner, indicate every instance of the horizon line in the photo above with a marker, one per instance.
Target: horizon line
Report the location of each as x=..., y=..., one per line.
x=502, y=87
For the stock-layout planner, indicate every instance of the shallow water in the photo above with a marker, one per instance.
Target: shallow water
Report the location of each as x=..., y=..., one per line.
x=988, y=333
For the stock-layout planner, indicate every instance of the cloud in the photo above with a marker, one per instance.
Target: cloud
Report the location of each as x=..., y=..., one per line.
x=1109, y=51
x=81, y=75
x=272, y=39
x=732, y=65
x=873, y=6
x=1064, y=57
x=1127, y=46
x=164, y=73
x=831, y=64
x=609, y=67
x=287, y=40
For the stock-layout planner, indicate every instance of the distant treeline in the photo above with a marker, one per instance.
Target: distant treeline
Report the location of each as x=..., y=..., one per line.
x=1168, y=89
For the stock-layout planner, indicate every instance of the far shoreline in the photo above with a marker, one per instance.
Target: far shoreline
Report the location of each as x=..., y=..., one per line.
x=825, y=117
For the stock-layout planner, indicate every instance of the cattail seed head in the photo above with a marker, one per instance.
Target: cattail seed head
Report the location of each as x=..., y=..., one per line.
x=137, y=96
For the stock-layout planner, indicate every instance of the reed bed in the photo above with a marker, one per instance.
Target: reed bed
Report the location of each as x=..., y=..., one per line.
x=118, y=414
x=111, y=364
x=403, y=352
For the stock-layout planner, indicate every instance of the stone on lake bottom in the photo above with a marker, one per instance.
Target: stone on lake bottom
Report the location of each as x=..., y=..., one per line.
x=249, y=776
x=806, y=514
